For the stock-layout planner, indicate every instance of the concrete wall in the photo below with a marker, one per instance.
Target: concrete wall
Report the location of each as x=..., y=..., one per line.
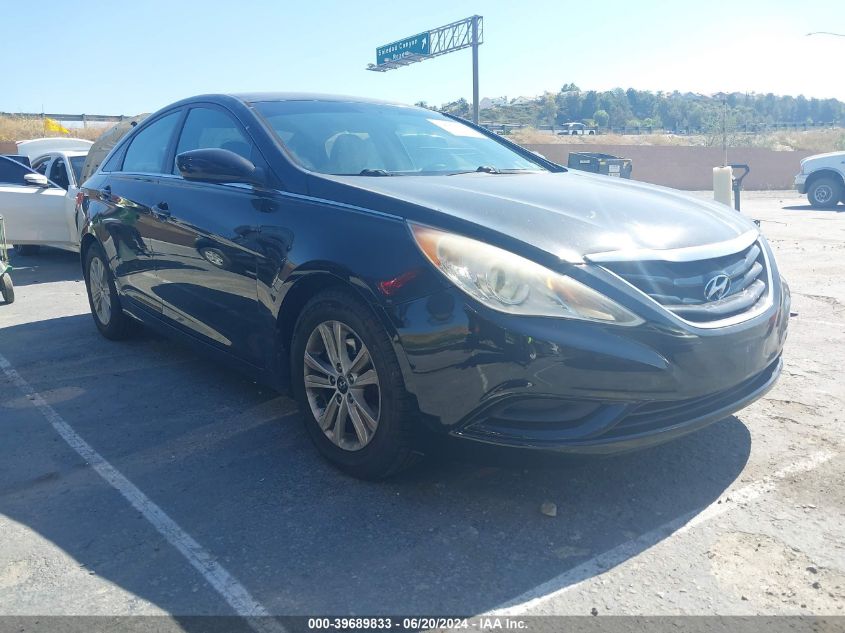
x=8, y=147
x=690, y=168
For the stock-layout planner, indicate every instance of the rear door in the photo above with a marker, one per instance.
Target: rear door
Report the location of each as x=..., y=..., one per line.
x=130, y=195
x=207, y=246
x=33, y=215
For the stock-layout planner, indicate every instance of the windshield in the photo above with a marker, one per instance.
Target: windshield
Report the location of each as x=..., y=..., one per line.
x=76, y=163
x=375, y=140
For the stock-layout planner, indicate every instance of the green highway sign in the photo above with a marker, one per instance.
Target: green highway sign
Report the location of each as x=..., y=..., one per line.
x=419, y=44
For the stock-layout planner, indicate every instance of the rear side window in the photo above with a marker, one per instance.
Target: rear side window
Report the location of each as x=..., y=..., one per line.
x=146, y=153
x=41, y=165
x=207, y=128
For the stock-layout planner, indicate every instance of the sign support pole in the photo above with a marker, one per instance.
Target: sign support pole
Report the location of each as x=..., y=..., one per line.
x=466, y=33
x=475, y=69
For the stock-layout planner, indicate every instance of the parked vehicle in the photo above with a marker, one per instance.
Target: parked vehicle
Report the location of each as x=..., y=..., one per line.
x=576, y=129
x=34, y=209
x=599, y=163
x=822, y=178
x=7, y=288
x=406, y=272
x=42, y=211
x=39, y=146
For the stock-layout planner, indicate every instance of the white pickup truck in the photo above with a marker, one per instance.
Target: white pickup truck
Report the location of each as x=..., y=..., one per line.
x=822, y=178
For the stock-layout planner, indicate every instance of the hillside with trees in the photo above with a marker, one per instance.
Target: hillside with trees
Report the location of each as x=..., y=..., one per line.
x=688, y=112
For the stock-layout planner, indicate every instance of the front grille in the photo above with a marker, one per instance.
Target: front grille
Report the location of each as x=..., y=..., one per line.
x=682, y=287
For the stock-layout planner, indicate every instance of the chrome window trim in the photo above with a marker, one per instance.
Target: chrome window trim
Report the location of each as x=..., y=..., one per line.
x=686, y=254
x=757, y=310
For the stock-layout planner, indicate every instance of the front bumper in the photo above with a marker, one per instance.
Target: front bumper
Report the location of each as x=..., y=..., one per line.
x=575, y=386
x=801, y=183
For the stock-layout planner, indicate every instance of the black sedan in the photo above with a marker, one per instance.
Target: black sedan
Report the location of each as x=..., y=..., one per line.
x=404, y=272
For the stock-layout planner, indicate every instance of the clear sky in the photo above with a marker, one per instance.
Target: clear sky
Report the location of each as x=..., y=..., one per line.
x=120, y=57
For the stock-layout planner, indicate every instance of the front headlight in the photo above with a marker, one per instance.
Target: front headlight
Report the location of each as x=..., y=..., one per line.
x=509, y=283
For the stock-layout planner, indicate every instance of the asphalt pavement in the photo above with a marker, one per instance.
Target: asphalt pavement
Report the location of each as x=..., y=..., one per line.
x=743, y=517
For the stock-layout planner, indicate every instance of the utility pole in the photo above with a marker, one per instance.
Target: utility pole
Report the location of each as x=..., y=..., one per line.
x=475, y=69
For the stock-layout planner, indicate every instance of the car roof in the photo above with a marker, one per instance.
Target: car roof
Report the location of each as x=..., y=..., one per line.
x=257, y=97
x=42, y=146
x=68, y=153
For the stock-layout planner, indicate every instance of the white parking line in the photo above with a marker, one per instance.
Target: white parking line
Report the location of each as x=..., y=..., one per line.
x=232, y=591
x=572, y=578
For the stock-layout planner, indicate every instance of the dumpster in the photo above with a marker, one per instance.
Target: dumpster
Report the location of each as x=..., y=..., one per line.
x=599, y=163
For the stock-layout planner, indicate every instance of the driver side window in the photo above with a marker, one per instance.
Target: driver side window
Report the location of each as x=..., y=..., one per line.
x=58, y=174
x=12, y=172
x=208, y=128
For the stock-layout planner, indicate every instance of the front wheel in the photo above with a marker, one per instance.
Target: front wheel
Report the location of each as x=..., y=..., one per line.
x=102, y=296
x=825, y=192
x=350, y=388
x=7, y=290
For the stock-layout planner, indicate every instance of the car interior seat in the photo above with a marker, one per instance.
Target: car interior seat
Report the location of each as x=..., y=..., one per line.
x=348, y=154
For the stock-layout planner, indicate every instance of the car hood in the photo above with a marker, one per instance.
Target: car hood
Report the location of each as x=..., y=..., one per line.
x=570, y=214
x=829, y=157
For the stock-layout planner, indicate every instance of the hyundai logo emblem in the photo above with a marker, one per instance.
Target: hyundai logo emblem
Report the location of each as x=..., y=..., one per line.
x=717, y=287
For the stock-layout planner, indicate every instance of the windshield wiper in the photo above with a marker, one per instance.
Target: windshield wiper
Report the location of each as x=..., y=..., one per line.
x=488, y=169
x=375, y=172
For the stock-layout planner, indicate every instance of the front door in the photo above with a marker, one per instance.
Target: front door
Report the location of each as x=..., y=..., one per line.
x=33, y=215
x=205, y=244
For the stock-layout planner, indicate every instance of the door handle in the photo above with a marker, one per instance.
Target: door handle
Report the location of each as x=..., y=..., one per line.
x=161, y=211
x=105, y=192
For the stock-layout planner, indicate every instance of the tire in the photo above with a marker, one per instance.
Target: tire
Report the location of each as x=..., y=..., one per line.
x=825, y=192
x=103, y=299
x=376, y=453
x=27, y=250
x=7, y=290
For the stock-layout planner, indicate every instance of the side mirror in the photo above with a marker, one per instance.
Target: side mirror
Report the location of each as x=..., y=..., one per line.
x=218, y=166
x=36, y=180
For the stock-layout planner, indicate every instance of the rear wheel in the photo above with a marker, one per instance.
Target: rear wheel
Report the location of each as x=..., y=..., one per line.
x=350, y=388
x=825, y=192
x=102, y=296
x=26, y=250
x=7, y=290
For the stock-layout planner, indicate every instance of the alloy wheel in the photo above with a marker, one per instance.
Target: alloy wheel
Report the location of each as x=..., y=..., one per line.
x=823, y=194
x=342, y=385
x=100, y=292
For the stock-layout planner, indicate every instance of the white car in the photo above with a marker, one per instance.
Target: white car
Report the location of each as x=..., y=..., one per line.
x=822, y=178
x=39, y=204
x=575, y=129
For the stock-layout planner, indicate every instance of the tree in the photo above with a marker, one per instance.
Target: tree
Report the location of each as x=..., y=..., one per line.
x=550, y=109
x=601, y=117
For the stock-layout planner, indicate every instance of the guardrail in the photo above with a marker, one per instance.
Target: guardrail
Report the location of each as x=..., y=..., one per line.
x=84, y=118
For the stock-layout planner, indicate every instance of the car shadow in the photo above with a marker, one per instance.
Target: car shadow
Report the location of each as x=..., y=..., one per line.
x=806, y=207
x=229, y=461
x=46, y=266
